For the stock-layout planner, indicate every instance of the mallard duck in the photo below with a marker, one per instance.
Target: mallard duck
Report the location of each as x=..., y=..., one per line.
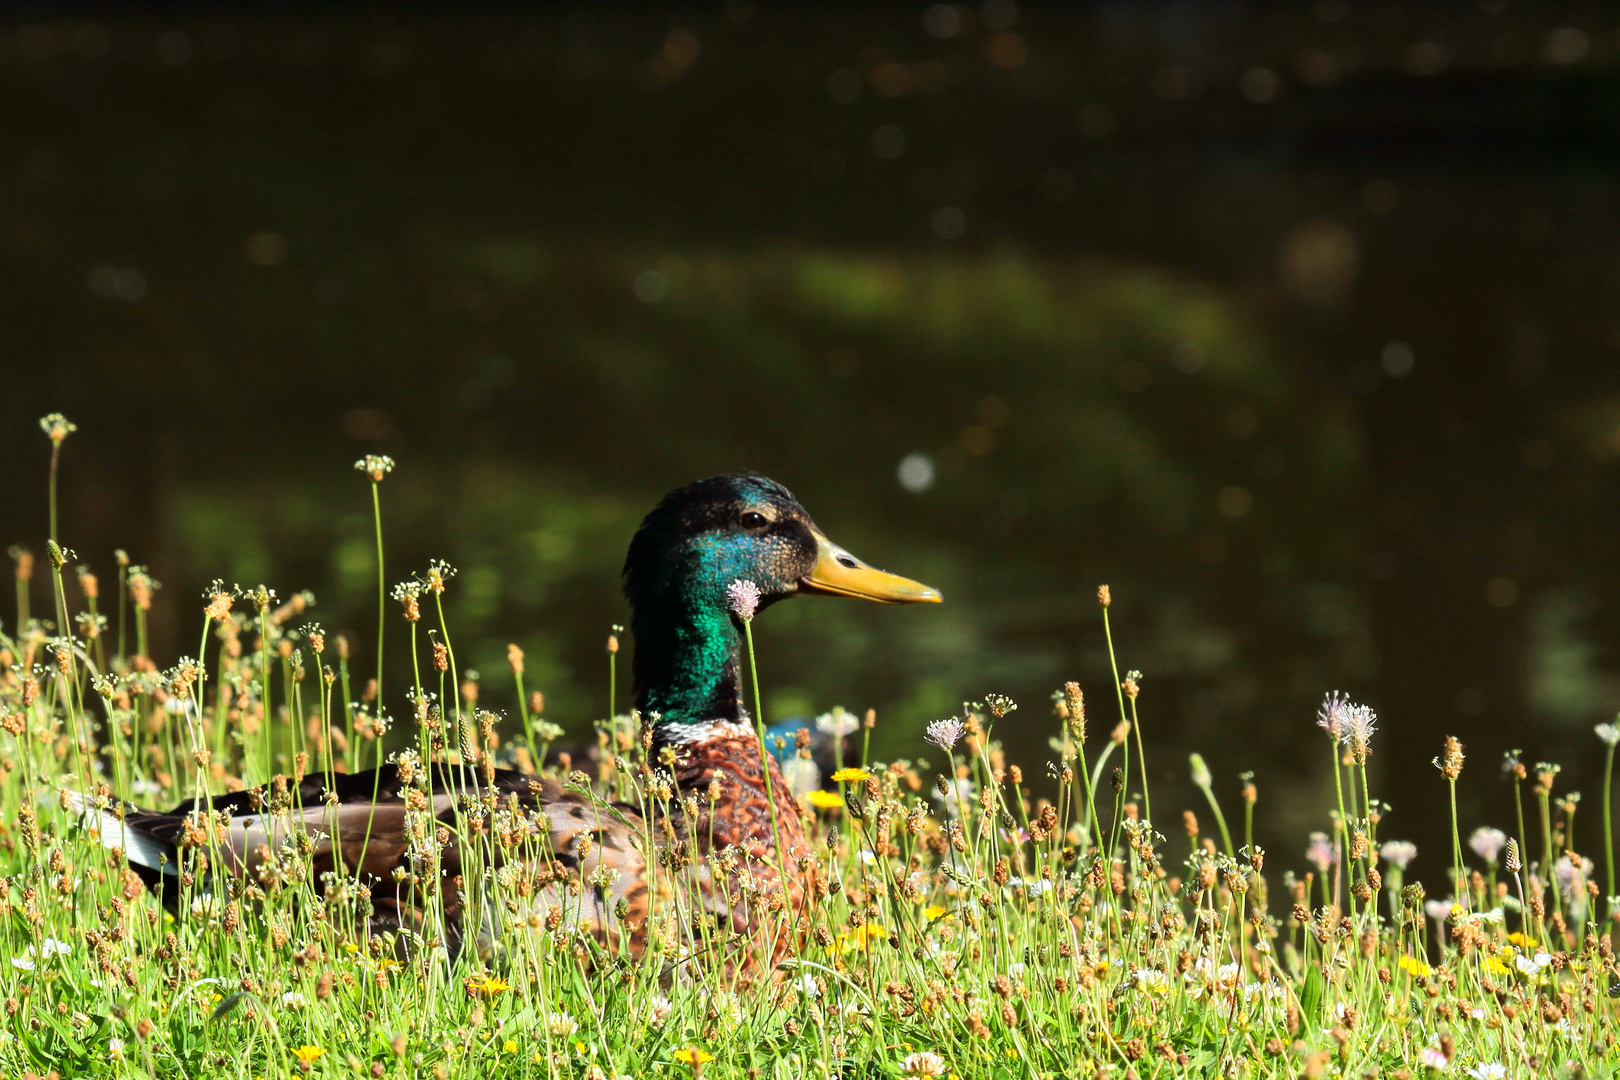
x=374, y=827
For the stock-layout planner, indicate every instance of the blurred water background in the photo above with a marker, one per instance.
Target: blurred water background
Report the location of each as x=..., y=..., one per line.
x=1296, y=324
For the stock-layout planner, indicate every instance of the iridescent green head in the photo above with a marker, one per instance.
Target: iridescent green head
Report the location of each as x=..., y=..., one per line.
x=698, y=541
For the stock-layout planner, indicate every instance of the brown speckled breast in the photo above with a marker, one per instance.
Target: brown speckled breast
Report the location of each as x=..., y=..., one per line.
x=741, y=817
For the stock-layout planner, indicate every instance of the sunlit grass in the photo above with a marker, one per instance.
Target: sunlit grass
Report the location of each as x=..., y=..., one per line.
x=958, y=926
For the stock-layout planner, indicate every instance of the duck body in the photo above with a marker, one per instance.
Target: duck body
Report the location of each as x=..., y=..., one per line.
x=584, y=861
x=375, y=827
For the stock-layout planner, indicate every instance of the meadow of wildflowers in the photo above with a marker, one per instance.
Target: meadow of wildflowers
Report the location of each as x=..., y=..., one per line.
x=968, y=917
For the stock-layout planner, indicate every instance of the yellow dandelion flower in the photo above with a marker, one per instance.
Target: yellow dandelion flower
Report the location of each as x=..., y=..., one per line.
x=693, y=1056
x=851, y=775
x=307, y=1053
x=489, y=986
x=934, y=913
x=859, y=937
x=824, y=800
x=1521, y=940
x=1413, y=966
x=1494, y=966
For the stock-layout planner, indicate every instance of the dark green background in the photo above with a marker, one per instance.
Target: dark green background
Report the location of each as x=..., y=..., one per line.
x=419, y=231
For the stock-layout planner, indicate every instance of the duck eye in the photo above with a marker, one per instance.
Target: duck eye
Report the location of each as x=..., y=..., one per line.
x=753, y=520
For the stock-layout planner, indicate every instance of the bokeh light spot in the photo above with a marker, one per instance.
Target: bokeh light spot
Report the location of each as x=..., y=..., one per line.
x=650, y=286
x=1397, y=359
x=916, y=473
x=1568, y=45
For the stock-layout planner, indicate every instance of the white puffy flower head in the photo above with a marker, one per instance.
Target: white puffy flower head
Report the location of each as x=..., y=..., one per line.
x=945, y=733
x=1398, y=853
x=838, y=723
x=743, y=597
x=923, y=1063
x=1488, y=843
x=1331, y=716
x=1321, y=853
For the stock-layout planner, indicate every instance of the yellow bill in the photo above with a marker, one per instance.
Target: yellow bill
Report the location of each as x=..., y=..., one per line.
x=838, y=573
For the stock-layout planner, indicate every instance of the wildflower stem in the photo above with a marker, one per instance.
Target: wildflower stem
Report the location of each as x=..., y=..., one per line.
x=323, y=694
x=1092, y=825
x=1608, y=830
x=95, y=635
x=21, y=580
x=1459, y=890
x=67, y=677
x=1342, y=838
x=764, y=755
x=264, y=700
x=1544, y=798
x=523, y=707
x=382, y=591
x=454, y=733
x=349, y=733
x=1220, y=820
x=1367, y=807
x=1119, y=691
x=123, y=601
x=56, y=454
x=1518, y=807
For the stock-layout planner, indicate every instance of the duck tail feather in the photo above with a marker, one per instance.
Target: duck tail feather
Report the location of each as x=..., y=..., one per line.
x=117, y=825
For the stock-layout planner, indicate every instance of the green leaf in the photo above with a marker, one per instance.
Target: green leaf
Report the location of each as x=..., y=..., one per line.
x=1311, y=995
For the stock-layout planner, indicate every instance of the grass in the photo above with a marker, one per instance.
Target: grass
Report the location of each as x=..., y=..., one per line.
x=968, y=928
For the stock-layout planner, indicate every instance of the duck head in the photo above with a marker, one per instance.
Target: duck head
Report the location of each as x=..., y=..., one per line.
x=696, y=542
